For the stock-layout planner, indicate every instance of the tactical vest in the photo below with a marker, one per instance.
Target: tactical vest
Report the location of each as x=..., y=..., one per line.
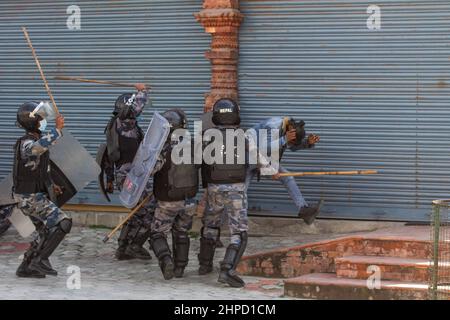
x=27, y=180
x=121, y=149
x=175, y=182
x=225, y=173
x=128, y=148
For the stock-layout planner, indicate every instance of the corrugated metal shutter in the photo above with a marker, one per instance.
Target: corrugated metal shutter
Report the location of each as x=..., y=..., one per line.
x=157, y=42
x=379, y=99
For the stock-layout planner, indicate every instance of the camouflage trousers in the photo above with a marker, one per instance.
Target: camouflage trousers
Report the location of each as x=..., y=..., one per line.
x=226, y=200
x=173, y=215
x=42, y=212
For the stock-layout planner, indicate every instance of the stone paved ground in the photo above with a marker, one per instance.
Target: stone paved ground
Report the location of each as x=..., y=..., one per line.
x=102, y=277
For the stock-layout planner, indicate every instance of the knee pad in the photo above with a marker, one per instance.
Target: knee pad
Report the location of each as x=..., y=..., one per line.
x=214, y=232
x=65, y=225
x=157, y=235
x=180, y=236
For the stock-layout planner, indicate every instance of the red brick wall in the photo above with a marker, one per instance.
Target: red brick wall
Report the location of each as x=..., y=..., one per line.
x=222, y=19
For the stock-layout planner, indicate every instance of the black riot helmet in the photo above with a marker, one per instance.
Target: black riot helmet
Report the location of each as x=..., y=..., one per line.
x=299, y=127
x=25, y=117
x=176, y=118
x=125, y=107
x=226, y=112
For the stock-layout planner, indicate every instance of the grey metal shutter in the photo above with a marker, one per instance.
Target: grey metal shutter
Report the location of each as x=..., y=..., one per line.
x=379, y=99
x=157, y=42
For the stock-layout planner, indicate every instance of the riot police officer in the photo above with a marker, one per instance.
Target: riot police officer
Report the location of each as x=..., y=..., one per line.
x=32, y=186
x=123, y=136
x=174, y=186
x=226, y=194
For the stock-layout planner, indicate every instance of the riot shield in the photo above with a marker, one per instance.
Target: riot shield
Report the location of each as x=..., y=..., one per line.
x=21, y=222
x=73, y=160
x=144, y=161
x=60, y=179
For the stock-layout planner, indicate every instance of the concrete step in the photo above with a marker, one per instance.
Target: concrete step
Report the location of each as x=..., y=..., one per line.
x=390, y=268
x=329, y=286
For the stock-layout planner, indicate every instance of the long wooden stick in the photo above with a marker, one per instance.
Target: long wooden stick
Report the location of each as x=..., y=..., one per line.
x=33, y=52
x=112, y=83
x=329, y=173
x=130, y=215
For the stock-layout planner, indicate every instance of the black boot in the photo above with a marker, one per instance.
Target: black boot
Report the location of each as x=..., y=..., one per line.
x=23, y=271
x=51, y=241
x=206, y=255
x=136, y=249
x=123, y=244
x=180, y=245
x=228, y=274
x=309, y=214
x=48, y=265
x=162, y=252
x=43, y=266
x=120, y=253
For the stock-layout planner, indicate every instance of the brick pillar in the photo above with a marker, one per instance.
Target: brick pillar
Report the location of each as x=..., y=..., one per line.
x=222, y=18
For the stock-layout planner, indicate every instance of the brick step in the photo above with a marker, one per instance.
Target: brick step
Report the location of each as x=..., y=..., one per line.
x=329, y=286
x=393, y=248
x=319, y=257
x=391, y=268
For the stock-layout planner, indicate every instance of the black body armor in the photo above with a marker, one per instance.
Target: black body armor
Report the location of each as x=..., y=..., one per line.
x=128, y=148
x=121, y=149
x=225, y=173
x=29, y=179
x=175, y=182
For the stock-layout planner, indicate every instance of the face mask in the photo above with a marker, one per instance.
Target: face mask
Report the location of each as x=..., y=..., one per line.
x=42, y=125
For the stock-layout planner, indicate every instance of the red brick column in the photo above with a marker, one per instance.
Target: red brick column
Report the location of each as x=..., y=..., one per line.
x=222, y=18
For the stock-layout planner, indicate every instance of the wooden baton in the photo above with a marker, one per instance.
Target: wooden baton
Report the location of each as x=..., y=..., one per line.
x=111, y=83
x=326, y=173
x=130, y=215
x=33, y=52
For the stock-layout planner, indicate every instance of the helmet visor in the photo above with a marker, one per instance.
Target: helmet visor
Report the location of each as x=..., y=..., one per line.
x=45, y=110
